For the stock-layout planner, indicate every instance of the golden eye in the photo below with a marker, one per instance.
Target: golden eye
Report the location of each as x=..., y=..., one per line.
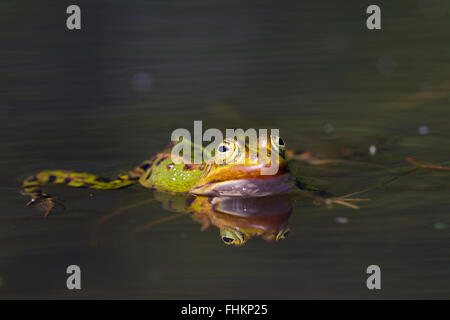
x=277, y=144
x=232, y=236
x=282, y=234
x=227, y=152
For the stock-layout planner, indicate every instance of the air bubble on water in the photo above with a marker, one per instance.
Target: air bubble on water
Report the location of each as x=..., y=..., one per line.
x=154, y=276
x=328, y=128
x=386, y=65
x=342, y=220
x=373, y=150
x=335, y=43
x=141, y=82
x=425, y=87
x=423, y=130
x=440, y=226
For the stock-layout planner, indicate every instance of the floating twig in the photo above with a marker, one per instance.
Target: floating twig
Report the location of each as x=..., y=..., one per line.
x=425, y=165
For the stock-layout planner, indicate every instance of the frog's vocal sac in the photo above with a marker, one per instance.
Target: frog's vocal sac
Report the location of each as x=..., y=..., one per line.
x=238, y=173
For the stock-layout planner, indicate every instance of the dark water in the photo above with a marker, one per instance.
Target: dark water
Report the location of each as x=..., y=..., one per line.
x=107, y=97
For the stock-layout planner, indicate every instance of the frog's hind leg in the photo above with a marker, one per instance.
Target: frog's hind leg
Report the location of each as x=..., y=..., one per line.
x=32, y=186
x=346, y=202
x=325, y=198
x=321, y=197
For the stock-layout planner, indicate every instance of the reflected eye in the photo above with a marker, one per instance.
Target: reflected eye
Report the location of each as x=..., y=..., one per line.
x=227, y=240
x=227, y=152
x=283, y=233
x=232, y=236
x=277, y=144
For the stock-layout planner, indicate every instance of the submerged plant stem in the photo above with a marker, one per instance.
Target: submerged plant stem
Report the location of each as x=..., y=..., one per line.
x=385, y=183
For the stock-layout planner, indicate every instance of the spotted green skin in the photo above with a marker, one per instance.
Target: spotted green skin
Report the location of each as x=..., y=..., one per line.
x=165, y=175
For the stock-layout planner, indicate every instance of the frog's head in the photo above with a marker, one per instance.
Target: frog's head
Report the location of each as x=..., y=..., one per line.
x=238, y=167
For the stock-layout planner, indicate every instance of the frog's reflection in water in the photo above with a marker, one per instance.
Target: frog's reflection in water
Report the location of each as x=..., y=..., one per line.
x=238, y=219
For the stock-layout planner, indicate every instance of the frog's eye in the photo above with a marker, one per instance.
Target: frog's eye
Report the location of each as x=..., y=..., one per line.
x=232, y=236
x=277, y=144
x=227, y=151
x=282, y=234
x=223, y=149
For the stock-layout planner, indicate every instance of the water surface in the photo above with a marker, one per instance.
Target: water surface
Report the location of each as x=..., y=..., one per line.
x=107, y=97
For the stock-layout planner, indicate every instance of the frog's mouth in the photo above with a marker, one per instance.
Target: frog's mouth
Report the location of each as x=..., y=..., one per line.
x=249, y=187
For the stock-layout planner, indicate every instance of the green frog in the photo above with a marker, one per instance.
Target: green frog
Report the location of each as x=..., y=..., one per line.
x=234, y=169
